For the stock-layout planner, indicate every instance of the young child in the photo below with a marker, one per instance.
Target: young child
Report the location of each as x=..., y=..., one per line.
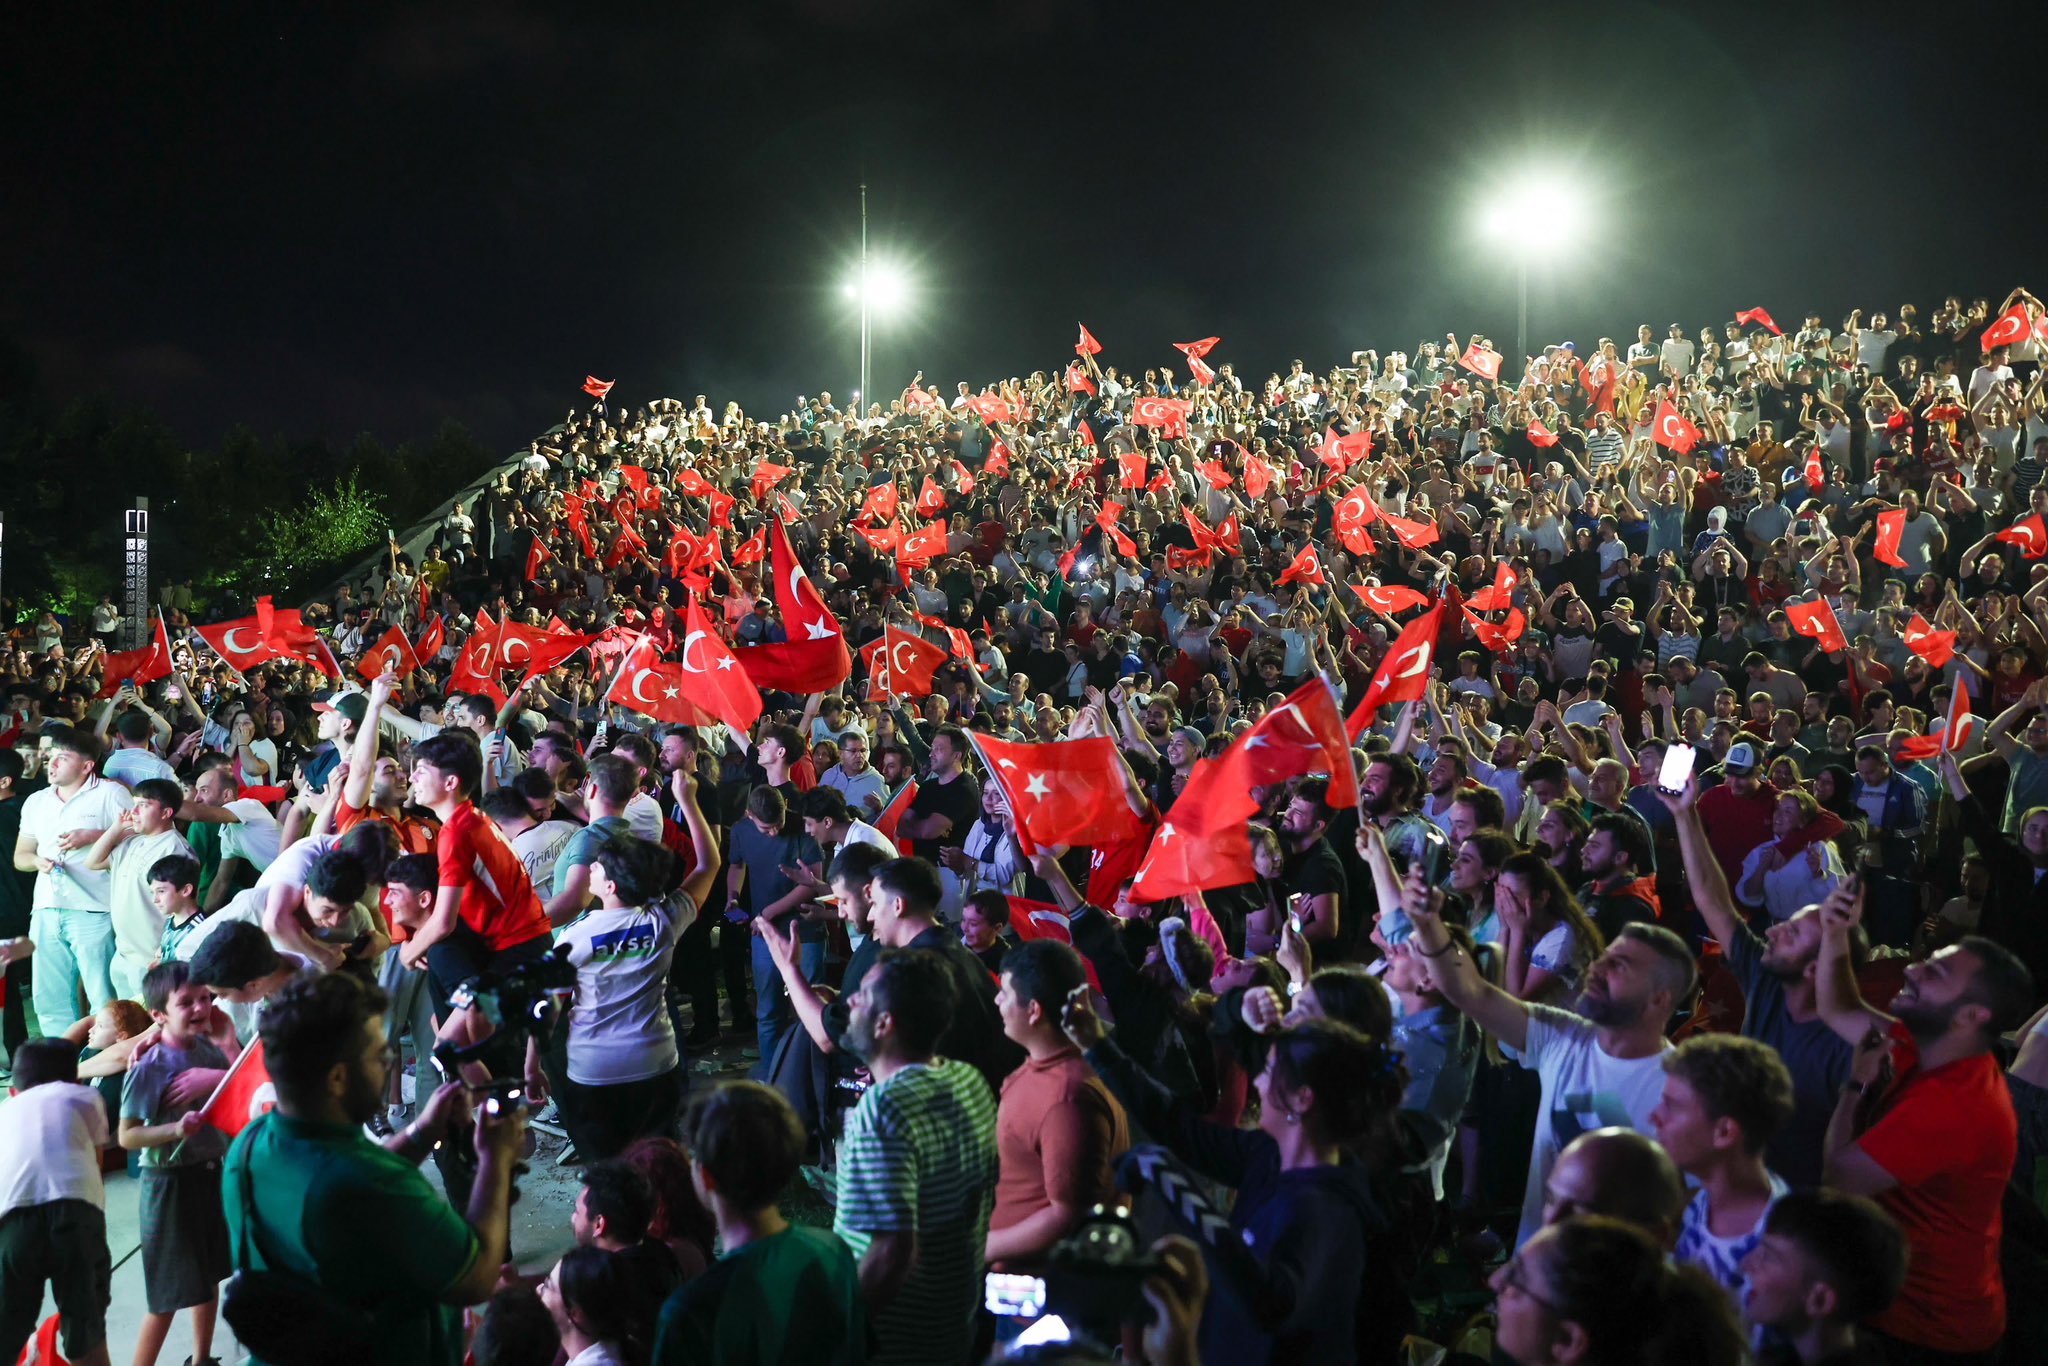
x=174, y=891
x=184, y=1232
x=146, y=834
x=1826, y=1263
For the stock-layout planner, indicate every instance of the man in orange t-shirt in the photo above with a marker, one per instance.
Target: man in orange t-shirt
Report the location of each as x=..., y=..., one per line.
x=1941, y=1148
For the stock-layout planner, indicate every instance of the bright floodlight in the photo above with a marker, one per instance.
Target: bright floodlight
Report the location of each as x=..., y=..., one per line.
x=1533, y=210
x=887, y=290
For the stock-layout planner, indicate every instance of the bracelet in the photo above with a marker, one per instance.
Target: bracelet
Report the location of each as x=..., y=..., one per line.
x=1448, y=946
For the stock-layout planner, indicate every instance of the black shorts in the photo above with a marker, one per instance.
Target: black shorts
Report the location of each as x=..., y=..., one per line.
x=184, y=1237
x=464, y=955
x=63, y=1244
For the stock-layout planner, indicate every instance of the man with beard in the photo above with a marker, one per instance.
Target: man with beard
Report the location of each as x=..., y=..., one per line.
x=375, y=789
x=1316, y=883
x=1777, y=974
x=1621, y=888
x=1599, y=1069
x=1939, y=1154
x=1446, y=780
x=1386, y=796
x=355, y=1218
x=917, y=1165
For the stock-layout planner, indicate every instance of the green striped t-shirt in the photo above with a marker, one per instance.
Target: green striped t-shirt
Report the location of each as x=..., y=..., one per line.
x=919, y=1154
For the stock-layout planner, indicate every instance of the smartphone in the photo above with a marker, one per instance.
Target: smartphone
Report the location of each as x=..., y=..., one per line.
x=1014, y=1296
x=1677, y=769
x=174, y=692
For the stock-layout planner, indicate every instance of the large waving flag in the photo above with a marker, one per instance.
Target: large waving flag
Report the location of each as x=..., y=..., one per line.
x=815, y=657
x=146, y=665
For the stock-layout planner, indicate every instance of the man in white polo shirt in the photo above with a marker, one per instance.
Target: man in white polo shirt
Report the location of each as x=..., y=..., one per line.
x=72, y=924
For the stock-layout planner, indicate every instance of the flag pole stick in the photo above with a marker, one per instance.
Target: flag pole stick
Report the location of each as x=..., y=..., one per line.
x=624, y=660
x=247, y=1053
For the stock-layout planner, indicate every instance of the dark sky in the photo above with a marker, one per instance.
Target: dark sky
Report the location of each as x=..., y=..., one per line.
x=323, y=221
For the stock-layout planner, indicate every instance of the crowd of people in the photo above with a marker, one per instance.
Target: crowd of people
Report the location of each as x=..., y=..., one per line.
x=1648, y=971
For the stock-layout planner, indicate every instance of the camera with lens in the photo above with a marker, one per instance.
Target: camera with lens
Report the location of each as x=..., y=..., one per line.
x=1094, y=1281
x=524, y=1001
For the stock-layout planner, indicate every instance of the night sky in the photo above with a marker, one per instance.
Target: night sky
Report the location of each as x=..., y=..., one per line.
x=319, y=222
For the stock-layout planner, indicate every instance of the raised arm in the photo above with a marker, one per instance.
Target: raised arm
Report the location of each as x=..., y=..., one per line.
x=1457, y=976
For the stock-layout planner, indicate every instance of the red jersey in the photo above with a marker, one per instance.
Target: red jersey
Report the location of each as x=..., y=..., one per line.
x=497, y=896
x=1110, y=866
x=1949, y=1138
x=415, y=836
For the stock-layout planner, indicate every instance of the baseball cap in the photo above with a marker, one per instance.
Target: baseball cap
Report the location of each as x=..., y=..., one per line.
x=348, y=703
x=1191, y=737
x=1741, y=758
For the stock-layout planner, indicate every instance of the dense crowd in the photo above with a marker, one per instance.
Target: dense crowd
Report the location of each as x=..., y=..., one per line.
x=1567, y=833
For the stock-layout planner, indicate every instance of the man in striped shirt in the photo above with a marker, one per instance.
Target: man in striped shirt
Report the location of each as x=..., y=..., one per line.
x=1603, y=443
x=917, y=1165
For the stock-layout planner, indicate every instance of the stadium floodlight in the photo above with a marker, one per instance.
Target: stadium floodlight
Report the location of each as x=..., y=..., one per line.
x=881, y=288
x=1530, y=215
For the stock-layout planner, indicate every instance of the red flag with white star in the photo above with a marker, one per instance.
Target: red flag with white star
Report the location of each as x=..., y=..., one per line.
x=1936, y=647
x=1390, y=600
x=1087, y=346
x=1761, y=317
x=1403, y=676
x=1891, y=529
x=1816, y=621
x=1307, y=568
x=2007, y=329
x=1202, y=842
x=2030, y=534
x=815, y=657
x=1062, y=792
x=1481, y=361
x=1672, y=429
x=900, y=664
x=1301, y=736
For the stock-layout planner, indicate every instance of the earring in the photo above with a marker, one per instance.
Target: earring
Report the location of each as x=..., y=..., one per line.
x=1292, y=1118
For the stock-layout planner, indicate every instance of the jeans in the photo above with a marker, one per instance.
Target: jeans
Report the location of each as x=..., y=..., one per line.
x=127, y=975
x=771, y=1003
x=73, y=949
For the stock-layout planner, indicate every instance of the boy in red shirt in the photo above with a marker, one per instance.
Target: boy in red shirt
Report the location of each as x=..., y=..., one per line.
x=486, y=915
x=1941, y=1146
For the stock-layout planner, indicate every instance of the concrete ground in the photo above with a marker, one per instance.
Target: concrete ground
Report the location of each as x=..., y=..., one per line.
x=540, y=1222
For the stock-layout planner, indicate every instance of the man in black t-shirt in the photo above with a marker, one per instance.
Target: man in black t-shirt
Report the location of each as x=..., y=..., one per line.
x=947, y=801
x=1313, y=871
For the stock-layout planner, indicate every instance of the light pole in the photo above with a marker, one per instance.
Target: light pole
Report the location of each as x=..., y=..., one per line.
x=1534, y=215
x=879, y=288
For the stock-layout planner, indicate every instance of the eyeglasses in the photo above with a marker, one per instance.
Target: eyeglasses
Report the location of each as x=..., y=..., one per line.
x=1515, y=1275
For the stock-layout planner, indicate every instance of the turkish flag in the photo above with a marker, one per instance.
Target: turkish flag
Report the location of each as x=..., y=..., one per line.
x=2007, y=329
x=245, y=1094
x=1216, y=474
x=1258, y=477
x=892, y=810
x=1132, y=463
x=1063, y=792
x=1403, y=676
x=392, y=652
x=635, y=478
x=1390, y=601
x=1671, y=429
x=900, y=664
x=597, y=388
x=1540, y=435
x=537, y=555
x=1758, y=315
x=712, y=677
x=573, y=514
x=2029, y=534
x=477, y=667
x=239, y=642
x=690, y=482
x=429, y=643
x=1498, y=638
x=962, y=477
x=753, y=550
x=921, y=546
x=1227, y=537
x=883, y=540
x=1302, y=735
x=1481, y=361
x=1949, y=735
x=1816, y=621
x=957, y=642
x=914, y=397
x=1414, y=535
x=1936, y=647
x=288, y=637
x=1340, y=452
x=627, y=543
x=998, y=462
x=721, y=508
x=1178, y=558
x=766, y=477
x=146, y=665
x=1205, y=537
x=1087, y=436
x=880, y=503
x=655, y=689
x=1354, y=512
x=1500, y=595
x=815, y=657
x=1891, y=526
x=931, y=499
x=1078, y=381
x=1202, y=843
x=1087, y=346
x=989, y=408
x=689, y=554
x=1816, y=473
x=1307, y=568
x=1195, y=350
x=535, y=649
x=1042, y=920
x=1200, y=371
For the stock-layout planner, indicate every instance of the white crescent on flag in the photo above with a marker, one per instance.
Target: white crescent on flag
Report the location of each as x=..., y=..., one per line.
x=1418, y=653
x=691, y=639
x=227, y=640
x=639, y=696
